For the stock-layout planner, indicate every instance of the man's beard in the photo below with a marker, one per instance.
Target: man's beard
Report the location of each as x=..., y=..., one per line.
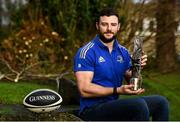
x=105, y=40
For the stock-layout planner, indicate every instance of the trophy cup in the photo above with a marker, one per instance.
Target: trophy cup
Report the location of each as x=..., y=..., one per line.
x=136, y=78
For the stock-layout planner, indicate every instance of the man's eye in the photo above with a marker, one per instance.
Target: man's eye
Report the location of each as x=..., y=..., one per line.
x=114, y=24
x=103, y=24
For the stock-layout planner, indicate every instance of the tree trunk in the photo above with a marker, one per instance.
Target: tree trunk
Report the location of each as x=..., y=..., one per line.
x=165, y=39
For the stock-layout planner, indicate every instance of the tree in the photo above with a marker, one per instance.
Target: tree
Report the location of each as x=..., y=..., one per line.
x=49, y=33
x=132, y=16
x=46, y=36
x=165, y=39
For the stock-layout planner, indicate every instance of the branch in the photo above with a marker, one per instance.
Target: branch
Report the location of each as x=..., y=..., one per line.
x=10, y=68
x=30, y=66
x=18, y=74
x=1, y=76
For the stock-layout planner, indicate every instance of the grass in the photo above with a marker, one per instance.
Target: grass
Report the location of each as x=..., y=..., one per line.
x=14, y=93
x=154, y=83
x=166, y=85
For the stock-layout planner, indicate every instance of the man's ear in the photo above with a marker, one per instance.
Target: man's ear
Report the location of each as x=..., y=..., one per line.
x=119, y=26
x=97, y=25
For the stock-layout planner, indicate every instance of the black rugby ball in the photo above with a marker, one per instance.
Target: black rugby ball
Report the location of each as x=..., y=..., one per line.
x=42, y=100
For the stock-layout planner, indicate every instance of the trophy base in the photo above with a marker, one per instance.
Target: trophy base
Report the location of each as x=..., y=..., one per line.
x=136, y=82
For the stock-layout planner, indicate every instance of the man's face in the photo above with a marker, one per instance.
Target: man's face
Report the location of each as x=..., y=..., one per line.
x=108, y=26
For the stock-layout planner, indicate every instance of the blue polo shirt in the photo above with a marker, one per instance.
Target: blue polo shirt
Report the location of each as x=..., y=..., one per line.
x=108, y=68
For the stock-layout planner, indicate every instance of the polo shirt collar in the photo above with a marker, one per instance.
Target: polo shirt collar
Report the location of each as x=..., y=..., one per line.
x=99, y=42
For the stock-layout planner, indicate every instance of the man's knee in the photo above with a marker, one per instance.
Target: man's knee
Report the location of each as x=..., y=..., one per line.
x=161, y=108
x=140, y=109
x=162, y=101
x=140, y=105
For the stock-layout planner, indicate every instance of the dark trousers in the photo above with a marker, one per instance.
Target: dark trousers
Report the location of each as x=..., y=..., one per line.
x=140, y=108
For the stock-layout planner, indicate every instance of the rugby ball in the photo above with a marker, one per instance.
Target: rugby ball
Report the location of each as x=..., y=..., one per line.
x=42, y=100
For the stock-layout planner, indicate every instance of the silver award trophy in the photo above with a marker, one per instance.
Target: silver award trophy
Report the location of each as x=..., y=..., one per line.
x=136, y=78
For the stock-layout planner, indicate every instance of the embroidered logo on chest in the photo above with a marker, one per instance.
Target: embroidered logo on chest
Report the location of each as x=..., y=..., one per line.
x=101, y=59
x=120, y=59
x=79, y=65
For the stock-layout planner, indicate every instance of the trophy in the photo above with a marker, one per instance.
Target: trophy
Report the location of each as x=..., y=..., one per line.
x=136, y=78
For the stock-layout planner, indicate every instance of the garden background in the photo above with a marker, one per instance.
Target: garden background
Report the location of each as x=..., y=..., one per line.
x=39, y=38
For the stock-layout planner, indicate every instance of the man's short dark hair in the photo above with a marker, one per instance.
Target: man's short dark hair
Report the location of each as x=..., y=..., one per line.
x=107, y=12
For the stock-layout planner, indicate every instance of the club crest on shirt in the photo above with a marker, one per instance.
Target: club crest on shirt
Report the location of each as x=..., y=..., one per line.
x=120, y=59
x=101, y=59
x=79, y=65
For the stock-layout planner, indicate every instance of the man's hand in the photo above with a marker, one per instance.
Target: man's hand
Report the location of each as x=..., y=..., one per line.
x=143, y=60
x=127, y=89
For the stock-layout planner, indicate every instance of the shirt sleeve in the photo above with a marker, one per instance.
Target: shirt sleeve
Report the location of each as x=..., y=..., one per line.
x=83, y=63
x=129, y=63
x=128, y=59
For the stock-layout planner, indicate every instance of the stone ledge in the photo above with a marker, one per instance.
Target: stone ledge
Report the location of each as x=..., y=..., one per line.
x=20, y=113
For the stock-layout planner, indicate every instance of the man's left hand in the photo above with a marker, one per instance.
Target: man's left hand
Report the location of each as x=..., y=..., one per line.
x=143, y=60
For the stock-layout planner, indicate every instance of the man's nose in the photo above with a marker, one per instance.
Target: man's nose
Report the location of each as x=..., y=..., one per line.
x=109, y=27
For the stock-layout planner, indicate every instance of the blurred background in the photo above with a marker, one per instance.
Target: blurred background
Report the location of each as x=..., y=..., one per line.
x=39, y=38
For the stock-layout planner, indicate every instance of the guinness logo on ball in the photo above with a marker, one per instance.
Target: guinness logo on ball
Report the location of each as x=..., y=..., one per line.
x=44, y=97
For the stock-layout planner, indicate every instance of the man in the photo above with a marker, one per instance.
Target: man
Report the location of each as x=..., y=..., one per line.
x=100, y=67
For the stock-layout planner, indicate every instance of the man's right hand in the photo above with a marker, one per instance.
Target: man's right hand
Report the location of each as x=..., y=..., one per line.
x=127, y=90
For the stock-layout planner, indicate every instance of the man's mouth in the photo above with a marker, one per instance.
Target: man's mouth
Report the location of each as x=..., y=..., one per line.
x=109, y=34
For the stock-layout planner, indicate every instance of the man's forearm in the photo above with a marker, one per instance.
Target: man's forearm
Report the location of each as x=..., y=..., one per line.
x=128, y=75
x=95, y=90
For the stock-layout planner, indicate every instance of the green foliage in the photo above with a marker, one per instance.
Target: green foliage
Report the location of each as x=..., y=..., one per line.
x=153, y=82
x=72, y=20
x=165, y=85
x=35, y=44
x=74, y=23
x=14, y=93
